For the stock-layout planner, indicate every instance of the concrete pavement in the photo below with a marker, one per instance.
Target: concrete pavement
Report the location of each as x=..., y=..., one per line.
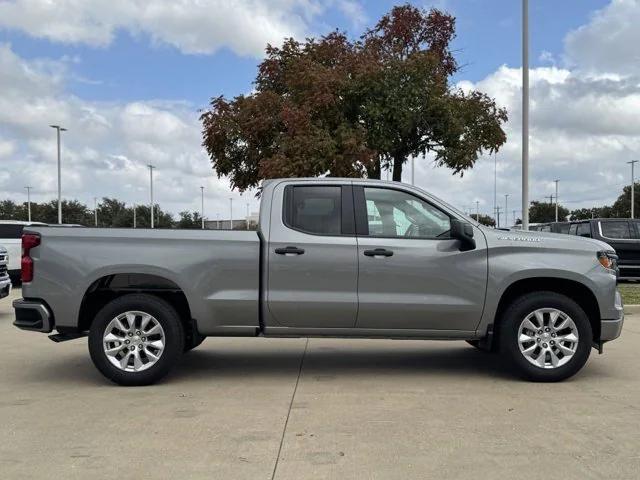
x=377, y=409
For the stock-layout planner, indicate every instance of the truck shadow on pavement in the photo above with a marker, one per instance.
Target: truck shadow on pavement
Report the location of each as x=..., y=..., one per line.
x=325, y=363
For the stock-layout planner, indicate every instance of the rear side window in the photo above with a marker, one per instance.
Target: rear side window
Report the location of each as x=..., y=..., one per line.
x=584, y=230
x=618, y=229
x=314, y=209
x=11, y=231
x=573, y=229
x=563, y=228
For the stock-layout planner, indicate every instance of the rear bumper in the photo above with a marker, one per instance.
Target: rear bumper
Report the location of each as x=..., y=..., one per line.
x=32, y=315
x=5, y=287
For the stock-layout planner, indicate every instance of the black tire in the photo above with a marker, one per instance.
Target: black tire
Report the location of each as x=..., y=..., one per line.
x=509, y=332
x=194, y=341
x=166, y=316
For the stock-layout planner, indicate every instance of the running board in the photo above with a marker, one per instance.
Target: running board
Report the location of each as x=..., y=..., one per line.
x=64, y=337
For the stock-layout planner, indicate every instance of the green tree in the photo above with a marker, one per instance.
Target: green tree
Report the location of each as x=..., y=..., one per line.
x=341, y=108
x=587, y=213
x=621, y=208
x=189, y=220
x=542, y=212
x=484, y=220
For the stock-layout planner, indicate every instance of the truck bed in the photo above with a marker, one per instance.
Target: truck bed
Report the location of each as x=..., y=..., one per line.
x=217, y=270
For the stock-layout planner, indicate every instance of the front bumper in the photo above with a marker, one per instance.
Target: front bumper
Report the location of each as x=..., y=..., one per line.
x=5, y=287
x=611, y=328
x=32, y=315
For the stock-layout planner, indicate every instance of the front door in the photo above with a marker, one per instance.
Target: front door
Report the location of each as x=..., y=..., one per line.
x=411, y=274
x=312, y=257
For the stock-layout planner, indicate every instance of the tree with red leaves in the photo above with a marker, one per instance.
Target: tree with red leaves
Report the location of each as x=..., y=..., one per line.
x=340, y=108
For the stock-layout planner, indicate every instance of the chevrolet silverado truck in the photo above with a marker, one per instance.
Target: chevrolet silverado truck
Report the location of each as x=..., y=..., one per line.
x=331, y=258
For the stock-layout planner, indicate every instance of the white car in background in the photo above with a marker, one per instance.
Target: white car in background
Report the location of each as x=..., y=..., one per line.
x=11, y=240
x=5, y=282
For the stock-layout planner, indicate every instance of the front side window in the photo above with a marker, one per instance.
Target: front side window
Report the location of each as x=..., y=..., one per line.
x=314, y=209
x=392, y=213
x=584, y=230
x=573, y=229
x=616, y=229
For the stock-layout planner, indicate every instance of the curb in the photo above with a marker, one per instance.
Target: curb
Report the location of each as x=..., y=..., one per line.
x=631, y=309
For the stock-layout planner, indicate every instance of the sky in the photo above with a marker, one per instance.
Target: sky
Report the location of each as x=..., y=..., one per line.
x=128, y=79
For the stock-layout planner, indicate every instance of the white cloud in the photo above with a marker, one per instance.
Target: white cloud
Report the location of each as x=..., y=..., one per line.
x=192, y=26
x=609, y=42
x=107, y=146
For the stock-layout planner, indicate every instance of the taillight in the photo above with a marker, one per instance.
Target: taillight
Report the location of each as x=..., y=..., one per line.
x=29, y=241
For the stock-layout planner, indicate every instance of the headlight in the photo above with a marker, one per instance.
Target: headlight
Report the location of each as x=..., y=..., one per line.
x=608, y=260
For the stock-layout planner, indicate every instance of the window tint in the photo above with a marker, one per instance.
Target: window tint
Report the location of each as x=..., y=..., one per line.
x=584, y=229
x=391, y=213
x=11, y=231
x=573, y=229
x=545, y=228
x=563, y=228
x=615, y=229
x=314, y=209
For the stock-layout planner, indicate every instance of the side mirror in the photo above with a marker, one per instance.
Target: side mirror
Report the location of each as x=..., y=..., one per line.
x=463, y=231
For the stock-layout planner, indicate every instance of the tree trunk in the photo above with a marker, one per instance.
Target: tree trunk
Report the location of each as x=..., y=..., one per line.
x=373, y=171
x=398, y=160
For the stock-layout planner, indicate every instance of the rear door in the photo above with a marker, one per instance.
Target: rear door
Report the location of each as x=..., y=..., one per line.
x=621, y=234
x=312, y=256
x=412, y=275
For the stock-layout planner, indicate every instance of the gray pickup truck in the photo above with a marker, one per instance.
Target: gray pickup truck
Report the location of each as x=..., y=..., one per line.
x=332, y=258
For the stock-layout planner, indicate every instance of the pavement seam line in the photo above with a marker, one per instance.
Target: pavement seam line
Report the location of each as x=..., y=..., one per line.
x=293, y=396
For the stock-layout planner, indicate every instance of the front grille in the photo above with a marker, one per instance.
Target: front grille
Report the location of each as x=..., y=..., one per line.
x=3, y=257
x=3, y=270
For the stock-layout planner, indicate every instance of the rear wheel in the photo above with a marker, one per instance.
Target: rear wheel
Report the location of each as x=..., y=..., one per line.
x=136, y=339
x=546, y=336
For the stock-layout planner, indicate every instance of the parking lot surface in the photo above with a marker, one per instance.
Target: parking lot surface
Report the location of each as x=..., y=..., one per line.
x=376, y=409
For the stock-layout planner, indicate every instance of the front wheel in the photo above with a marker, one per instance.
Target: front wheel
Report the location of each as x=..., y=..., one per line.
x=546, y=336
x=136, y=339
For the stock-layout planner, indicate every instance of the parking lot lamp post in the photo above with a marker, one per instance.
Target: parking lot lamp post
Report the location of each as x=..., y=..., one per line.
x=58, y=130
x=134, y=215
x=202, y=206
x=95, y=210
x=506, y=209
x=556, y=199
x=151, y=167
x=477, y=211
x=633, y=181
x=28, y=203
x=525, y=114
x=231, y=213
x=247, y=216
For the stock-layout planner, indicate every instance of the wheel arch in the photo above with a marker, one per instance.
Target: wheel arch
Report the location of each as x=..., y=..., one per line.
x=114, y=285
x=577, y=291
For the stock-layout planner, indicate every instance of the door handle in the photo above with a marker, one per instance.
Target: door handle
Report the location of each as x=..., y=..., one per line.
x=289, y=251
x=378, y=252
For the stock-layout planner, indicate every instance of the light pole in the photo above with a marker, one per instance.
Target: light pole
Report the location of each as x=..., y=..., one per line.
x=477, y=211
x=495, y=185
x=506, y=208
x=231, y=213
x=151, y=167
x=28, y=203
x=247, y=216
x=525, y=114
x=633, y=180
x=95, y=210
x=134, y=215
x=58, y=130
x=413, y=171
x=556, y=198
x=202, y=206
x=217, y=221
